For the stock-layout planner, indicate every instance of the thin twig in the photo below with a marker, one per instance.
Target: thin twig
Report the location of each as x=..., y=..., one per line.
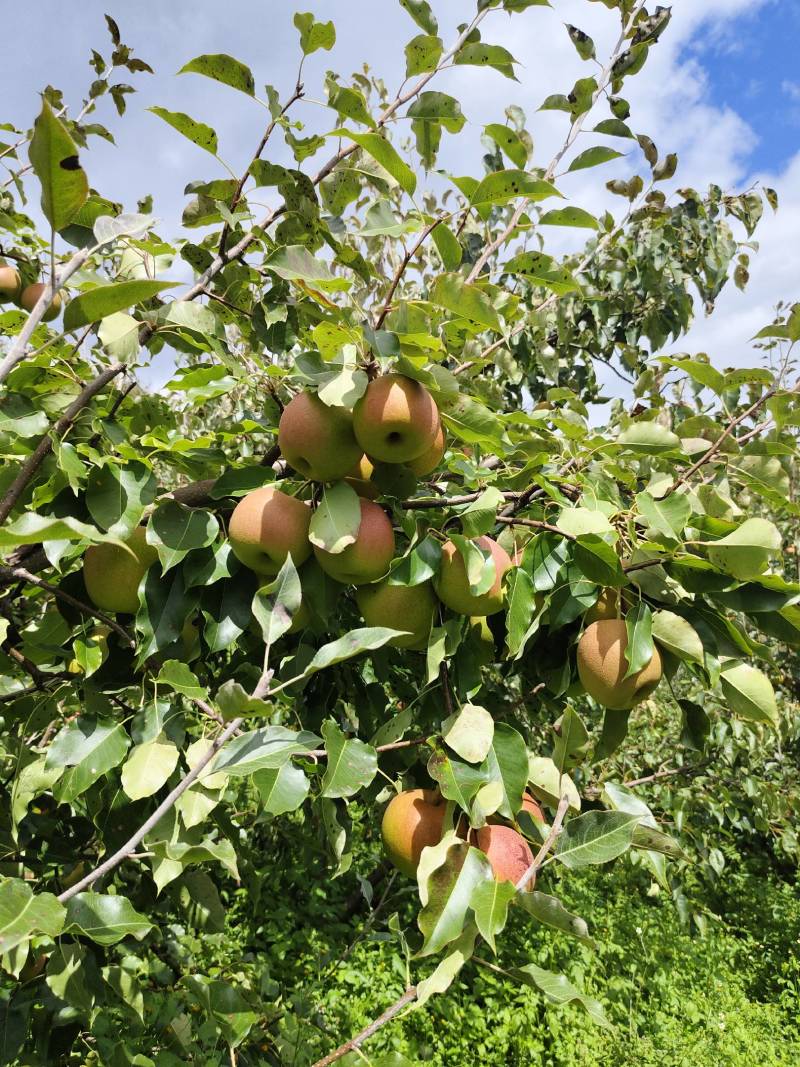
x=35, y=459
x=354, y=1042
x=547, y=845
x=134, y=840
x=16, y=352
x=262, y=144
x=20, y=573
x=574, y=130
x=379, y=321
x=686, y=475
x=536, y=524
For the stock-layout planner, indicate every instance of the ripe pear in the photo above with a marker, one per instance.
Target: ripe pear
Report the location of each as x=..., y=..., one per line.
x=112, y=574
x=317, y=440
x=602, y=667
x=266, y=526
x=359, y=478
x=30, y=298
x=368, y=558
x=431, y=459
x=507, y=851
x=396, y=420
x=411, y=821
x=452, y=584
x=606, y=607
x=401, y=607
x=10, y=284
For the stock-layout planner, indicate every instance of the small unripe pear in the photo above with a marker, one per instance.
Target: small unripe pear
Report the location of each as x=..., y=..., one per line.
x=602, y=667
x=396, y=420
x=112, y=574
x=400, y=607
x=30, y=298
x=317, y=440
x=10, y=284
x=266, y=526
x=412, y=821
x=452, y=583
x=368, y=558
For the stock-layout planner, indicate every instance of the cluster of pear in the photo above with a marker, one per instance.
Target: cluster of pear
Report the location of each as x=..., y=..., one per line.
x=11, y=289
x=602, y=666
x=415, y=819
x=395, y=422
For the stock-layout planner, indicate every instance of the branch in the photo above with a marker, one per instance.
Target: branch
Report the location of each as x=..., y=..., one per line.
x=574, y=131
x=257, y=231
x=16, y=352
x=35, y=459
x=379, y=321
x=296, y=95
x=684, y=476
x=21, y=574
x=537, y=524
x=691, y=771
x=418, y=503
x=131, y=844
x=354, y=1042
x=547, y=845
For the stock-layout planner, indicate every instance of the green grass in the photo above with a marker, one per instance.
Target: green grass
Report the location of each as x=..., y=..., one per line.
x=731, y=997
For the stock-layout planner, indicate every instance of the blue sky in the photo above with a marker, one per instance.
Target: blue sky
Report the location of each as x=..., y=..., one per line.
x=754, y=68
x=722, y=89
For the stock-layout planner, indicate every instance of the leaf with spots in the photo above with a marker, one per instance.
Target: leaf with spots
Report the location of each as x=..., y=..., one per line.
x=224, y=69
x=197, y=132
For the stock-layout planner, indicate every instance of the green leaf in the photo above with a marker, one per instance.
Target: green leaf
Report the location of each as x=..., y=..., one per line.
x=651, y=438
x=542, y=270
x=479, y=54
x=282, y=789
x=469, y=733
x=438, y=108
x=363, y=639
x=746, y=551
x=509, y=142
x=559, y=990
x=104, y=300
x=148, y=768
x=24, y=915
x=480, y=516
x=504, y=185
x=749, y=693
x=667, y=517
x=598, y=560
x=551, y=912
x=678, y=636
x=295, y=263
x=596, y=837
x=439, y=981
x=448, y=247
x=88, y=748
x=464, y=300
x=117, y=496
x=423, y=52
x=593, y=157
x=31, y=528
x=571, y=740
x=54, y=158
x=222, y=68
x=489, y=902
x=584, y=45
x=384, y=153
x=276, y=604
x=639, y=627
x=549, y=785
x=197, y=132
x=521, y=611
x=447, y=894
x=105, y=919
x=69, y=974
x=177, y=676
x=314, y=35
x=336, y=520
x=569, y=216
x=351, y=766
x=421, y=13
x=266, y=749
x=174, y=530
x=507, y=763
x=457, y=780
